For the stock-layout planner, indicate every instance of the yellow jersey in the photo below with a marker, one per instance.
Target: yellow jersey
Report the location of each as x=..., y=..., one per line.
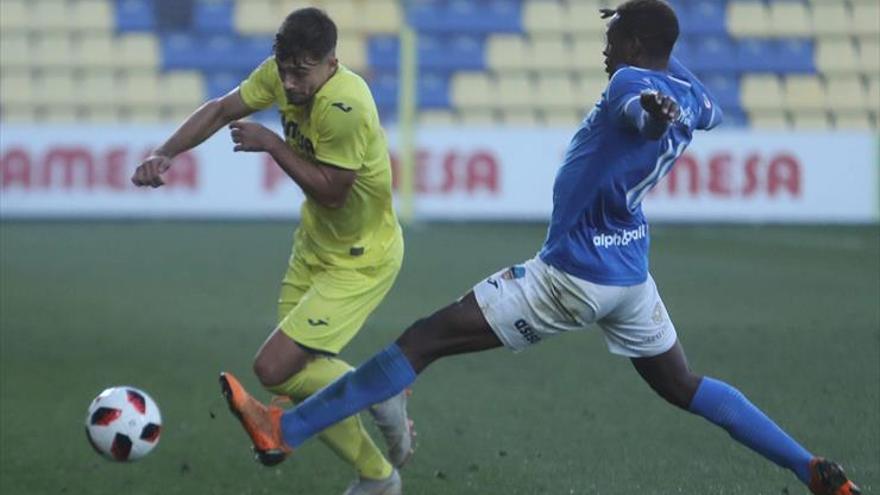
x=339, y=127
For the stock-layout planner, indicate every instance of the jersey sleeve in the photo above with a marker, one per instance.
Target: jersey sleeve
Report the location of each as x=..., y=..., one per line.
x=342, y=135
x=258, y=90
x=710, y=112
x=624, y=90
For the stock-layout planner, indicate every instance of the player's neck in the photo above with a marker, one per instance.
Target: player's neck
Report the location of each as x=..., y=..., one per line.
x=659, y=65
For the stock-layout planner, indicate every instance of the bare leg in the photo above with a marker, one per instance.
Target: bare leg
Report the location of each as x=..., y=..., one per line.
x=459, y=328
x=669, y=375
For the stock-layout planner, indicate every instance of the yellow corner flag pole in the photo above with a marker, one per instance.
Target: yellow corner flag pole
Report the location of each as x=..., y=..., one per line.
x=407, y=100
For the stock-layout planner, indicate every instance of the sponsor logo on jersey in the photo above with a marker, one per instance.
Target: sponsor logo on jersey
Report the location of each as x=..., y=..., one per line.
x=342, y=106
x=318, y=322
x=621, y=237
x=514, y=272
x=526, y=330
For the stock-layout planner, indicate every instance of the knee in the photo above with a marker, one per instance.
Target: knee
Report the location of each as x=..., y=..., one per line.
x=270, y=372
x=679, y=390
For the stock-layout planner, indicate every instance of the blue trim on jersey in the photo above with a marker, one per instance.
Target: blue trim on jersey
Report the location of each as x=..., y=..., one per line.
x=598, y=231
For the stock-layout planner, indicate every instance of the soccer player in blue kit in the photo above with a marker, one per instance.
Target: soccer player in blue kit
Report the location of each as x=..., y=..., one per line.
x=593, y=268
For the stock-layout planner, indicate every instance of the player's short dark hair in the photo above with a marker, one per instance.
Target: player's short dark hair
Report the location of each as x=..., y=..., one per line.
x=653, y=22
x=306, y=33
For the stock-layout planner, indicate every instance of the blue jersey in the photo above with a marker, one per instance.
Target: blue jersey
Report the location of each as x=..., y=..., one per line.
x=597, y=229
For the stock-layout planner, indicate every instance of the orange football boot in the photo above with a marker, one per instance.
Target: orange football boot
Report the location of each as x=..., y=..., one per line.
x=828, y=478
x=262, y=423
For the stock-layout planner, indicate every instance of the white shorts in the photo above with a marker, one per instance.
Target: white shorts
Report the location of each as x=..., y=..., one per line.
x=528, y=303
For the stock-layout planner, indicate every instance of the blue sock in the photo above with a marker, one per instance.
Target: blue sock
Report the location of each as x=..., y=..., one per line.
x=728, y=408
x=385, y=375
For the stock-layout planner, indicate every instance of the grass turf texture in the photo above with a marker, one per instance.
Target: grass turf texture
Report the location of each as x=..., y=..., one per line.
x=789, y=315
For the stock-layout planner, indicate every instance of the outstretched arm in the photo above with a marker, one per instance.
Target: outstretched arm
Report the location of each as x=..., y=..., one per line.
x=198, y=127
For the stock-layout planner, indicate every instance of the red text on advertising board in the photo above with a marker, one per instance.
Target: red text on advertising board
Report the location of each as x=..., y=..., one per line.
x=80, y=168
x=723, y=175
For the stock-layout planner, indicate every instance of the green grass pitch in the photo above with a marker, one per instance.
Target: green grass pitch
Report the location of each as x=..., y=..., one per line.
x=789, y=315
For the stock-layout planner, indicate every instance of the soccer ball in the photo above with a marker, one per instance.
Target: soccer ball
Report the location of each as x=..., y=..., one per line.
x=123, y=424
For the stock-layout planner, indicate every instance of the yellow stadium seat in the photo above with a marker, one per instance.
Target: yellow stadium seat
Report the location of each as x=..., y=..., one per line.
x=437, y=117
x=15, y=51
x=869, y=54
x=91, y=15
x=761, y=93
x=589, y=90
x=556, y=91
x=549, y=53
x=61, y=115
x=379, y=16
x=804, y=93
x=18, y=114
x=748, y=18
x=13, y=15
x=506, y=52
x=183, y=88
x=544, y=16
x=768, y=120
x=99, y=88
x=101, y=115
x=854, y=120
x=520, y=117
x=16, y=89
x=515, y=91
x=137, y=51
x=478, y=116
x=142, y=114
x=256, y=17
x=866, y=18
x=811, y=121
x=96, y=51
x=344, y=13
x=586, y=54
x=583, y=19
x=352, y=51
x=50, y=16
x=790, y=19
x=140, y=89
x=845, y=93
x=56, y=89
x=831, y=18
x=836, y=56
x=52, y=51
x=873, y=96
x=472, y=89
x=562, y=118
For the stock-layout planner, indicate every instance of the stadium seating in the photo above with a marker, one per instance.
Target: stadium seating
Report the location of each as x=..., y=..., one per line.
x=770, y=63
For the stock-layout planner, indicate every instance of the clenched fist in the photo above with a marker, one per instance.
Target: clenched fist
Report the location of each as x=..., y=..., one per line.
x=149, y=172
x=659, y=106
x=250, y=136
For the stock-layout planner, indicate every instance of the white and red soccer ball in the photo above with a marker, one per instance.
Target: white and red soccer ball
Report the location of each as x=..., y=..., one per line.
x=123, y=424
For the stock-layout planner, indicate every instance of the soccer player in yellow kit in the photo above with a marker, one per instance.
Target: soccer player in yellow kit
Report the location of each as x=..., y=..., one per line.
x=348, y=248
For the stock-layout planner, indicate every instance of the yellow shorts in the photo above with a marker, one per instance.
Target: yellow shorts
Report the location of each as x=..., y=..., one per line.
x=322, y=308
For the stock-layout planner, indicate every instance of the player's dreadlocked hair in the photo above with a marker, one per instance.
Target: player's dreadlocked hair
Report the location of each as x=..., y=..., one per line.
x=652, y=22
x=306, y=33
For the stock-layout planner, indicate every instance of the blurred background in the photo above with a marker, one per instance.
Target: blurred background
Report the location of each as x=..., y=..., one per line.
x=765, y=240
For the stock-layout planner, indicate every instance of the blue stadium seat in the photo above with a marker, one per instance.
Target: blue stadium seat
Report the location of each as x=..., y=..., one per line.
x=775, y=56
x=712, y=53
x=214, y=16
x=435, y=52
x=734, y=117
x=213, y=52
x=466, y=16
x=221, y=82
x=725, y=89
x=135, y=15
x=433, y=90
x=706, y=17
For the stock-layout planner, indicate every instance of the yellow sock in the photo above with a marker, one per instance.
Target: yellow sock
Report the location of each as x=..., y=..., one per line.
x=347, y=438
